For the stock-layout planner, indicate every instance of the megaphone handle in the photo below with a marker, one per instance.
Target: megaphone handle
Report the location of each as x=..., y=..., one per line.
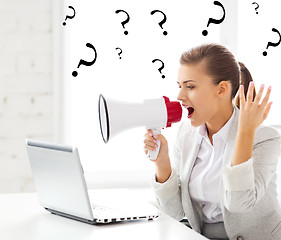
x=152, y=155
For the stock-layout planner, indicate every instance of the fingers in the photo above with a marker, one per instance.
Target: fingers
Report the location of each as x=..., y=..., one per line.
x=150, y=141
x=242, y=96
x=264, y=105
x=250, y=92
x=266, y=98
x=150, y=136
x=258, y=96
x=266, y=110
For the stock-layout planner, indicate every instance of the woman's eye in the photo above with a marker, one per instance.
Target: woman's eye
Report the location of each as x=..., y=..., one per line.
x=189, y=87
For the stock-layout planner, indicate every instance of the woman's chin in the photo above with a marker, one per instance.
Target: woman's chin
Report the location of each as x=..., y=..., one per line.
x=194, y=123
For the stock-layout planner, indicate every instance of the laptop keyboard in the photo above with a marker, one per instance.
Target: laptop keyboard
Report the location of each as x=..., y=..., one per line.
x=99, y=208
x=105, y=211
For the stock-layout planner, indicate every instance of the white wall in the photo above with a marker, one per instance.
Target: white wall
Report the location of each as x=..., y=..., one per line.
x=30, y=58
x=26, y=86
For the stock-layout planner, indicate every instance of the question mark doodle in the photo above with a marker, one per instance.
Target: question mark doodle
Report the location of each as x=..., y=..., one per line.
x=119, y=52
x=256, y=8
x=124, y=22
x=271, y=43
x=83, y=62
x=159, y=69
x=162, y=22
x=70, y=17
x=211, y=20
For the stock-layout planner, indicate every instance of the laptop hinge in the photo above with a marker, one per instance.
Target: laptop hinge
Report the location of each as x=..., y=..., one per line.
x=71, y=216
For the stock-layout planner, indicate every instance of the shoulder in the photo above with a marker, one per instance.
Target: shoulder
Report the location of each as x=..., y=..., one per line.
x=265, y=133
x=267, y=145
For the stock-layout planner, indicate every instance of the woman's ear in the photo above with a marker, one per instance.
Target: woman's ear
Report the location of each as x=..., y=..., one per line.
x=224, y=88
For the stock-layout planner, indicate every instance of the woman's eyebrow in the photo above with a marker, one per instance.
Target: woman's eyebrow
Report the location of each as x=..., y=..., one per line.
x=186, y=81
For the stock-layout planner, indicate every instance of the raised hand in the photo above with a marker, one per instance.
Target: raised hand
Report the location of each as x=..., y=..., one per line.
x=253, y=113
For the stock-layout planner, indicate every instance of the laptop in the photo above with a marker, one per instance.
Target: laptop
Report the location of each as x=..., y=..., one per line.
x=62, y=190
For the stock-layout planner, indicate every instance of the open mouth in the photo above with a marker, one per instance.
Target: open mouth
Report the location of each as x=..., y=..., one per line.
x=190, y=111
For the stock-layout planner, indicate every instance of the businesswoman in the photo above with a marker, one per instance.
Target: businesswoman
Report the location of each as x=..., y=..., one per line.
x=222, y=176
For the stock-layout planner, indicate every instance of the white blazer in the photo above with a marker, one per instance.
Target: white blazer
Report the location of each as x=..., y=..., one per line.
x=248, y=196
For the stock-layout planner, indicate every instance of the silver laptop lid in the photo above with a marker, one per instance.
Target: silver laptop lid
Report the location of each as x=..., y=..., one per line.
x=59, y=178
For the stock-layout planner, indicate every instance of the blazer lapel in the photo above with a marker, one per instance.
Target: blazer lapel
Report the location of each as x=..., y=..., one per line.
x=186, y=169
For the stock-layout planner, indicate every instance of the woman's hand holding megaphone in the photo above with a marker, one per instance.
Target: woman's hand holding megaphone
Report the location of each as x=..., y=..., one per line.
x=162, y=162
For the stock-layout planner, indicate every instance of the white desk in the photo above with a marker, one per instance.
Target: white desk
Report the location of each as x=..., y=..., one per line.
x=21, y=217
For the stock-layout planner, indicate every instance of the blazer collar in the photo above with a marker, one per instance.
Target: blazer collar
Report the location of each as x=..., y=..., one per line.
x=231, y=138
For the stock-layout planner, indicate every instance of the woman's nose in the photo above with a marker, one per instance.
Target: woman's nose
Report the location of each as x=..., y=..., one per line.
x=180, y=95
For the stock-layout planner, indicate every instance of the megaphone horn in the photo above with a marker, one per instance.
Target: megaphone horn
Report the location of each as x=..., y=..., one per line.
x=116, y=116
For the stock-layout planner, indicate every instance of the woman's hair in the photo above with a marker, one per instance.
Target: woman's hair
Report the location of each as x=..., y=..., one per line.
x=221, y=65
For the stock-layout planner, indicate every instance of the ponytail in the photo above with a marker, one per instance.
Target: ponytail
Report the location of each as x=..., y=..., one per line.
x=245, y=79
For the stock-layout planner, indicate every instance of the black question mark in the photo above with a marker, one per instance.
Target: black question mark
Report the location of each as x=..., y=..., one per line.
x=215, y=21
x=162, y=22
x=159, y=69
x=124, y=22
x=119, y=52
x=271, y=43
x=83, y=62
x=70, y=17
x=256, y=8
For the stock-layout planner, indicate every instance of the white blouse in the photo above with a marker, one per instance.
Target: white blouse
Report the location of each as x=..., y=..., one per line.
x=206, y=173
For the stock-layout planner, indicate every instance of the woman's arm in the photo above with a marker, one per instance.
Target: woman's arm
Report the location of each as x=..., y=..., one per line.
x=252, y=114
x=246, y=184
x=253, y=164
x=166, y=183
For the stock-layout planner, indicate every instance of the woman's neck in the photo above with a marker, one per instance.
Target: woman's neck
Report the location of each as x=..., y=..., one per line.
x=220, y=119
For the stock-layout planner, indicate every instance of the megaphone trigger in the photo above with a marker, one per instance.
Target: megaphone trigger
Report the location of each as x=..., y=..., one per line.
x=152, y=155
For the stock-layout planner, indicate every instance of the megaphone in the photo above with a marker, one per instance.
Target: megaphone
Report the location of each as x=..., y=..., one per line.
x=154, y=114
